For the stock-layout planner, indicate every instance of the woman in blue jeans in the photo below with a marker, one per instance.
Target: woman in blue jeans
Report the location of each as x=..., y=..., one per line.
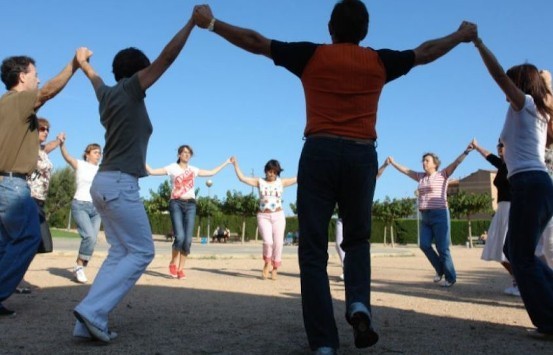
x=432, y=195
x=85, y=215
x=182, y=206
x=527, y=125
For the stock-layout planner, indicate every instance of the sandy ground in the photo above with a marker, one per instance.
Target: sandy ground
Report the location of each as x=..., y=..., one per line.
x=224, y=307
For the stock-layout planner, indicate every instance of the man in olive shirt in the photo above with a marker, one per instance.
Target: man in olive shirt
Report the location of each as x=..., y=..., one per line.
x=19, y=224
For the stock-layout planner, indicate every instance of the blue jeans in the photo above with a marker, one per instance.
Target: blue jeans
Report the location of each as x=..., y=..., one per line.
x=19, y=233
x=115, y=196
x=182, y=217
x=435, y=227
x=531, y=210
x=88, y=224
x=334, y=171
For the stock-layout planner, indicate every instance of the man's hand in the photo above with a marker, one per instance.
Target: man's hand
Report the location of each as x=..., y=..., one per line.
x=82, y=55
x=468, y=31
x=202, y=15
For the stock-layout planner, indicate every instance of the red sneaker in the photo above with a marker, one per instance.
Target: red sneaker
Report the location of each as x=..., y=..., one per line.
x=173, y=270
x=181, y=275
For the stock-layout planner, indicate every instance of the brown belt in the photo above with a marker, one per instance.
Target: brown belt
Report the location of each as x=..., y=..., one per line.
x=12, y=175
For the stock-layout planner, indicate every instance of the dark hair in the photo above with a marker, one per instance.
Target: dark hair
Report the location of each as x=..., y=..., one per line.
x=273, y=165
x=349, y=22
x=89, y=148
x=128, y=62
x=181, y=148
x=434, y=157
x=528, y=79
x=12, y=67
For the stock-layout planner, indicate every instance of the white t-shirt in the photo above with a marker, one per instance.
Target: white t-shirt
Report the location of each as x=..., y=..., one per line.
x=524, y=135
x=84, y=175
x=182, y=181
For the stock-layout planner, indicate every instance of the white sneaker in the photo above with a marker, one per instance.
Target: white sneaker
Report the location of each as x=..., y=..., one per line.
x=512, y=291
x=437, y=278
x=447, y=283
x=342, y=277
x=80, y=275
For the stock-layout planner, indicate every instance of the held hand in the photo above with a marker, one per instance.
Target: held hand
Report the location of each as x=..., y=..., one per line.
x=470, y=147
x=468, y=31
x=202, y=15
x=83, y=54
x=474, y=143
x=390, y=160
x=61, y=137
x=232, y=160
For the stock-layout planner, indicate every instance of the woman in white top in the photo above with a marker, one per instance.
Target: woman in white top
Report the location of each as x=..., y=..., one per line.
x=434, y=227
x=84, y=213
x=270, y=218
x=524, y=135
x=182, y=206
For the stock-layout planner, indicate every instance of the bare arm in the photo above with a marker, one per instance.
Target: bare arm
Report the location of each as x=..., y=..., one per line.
x=451, y=167
x=382, y=168
x=244, y=38
x=149, y=75
x=57, y=83
x=289, y=181
x=515, y=96
x=65, y=154
x=479, y=149
x=402, y=169
x=434, y=49
x=155, y=172
x=83, y=55
x=246, y=180
x=50, y=146
x=212, y=172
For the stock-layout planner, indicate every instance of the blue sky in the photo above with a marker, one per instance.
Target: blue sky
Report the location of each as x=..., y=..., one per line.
x=223, y=101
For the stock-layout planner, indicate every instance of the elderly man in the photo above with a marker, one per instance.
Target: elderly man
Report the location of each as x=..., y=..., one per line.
x=19, y=222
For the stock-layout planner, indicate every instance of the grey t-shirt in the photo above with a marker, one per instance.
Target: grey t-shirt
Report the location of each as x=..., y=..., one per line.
x=128, y=128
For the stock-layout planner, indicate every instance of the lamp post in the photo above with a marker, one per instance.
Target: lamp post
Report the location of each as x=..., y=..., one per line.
x=208, y=183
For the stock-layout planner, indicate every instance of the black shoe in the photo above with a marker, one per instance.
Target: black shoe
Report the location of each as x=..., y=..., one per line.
x=23, y=290
x=363, y=332
x=537, y=334
x=4, y=312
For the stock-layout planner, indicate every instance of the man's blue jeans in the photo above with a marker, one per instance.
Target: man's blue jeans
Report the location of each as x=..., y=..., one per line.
x=435, y=227
x=19, y=233
x=88, y=224
x=531, y=210
x=333, y=171
x=182, y=214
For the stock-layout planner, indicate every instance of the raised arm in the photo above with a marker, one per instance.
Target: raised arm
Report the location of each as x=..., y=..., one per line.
x=244, y=38
x=149, y=75
x=57, y=83
x=479, y=149
x=246, y=180
x=155, y=172
x=289, y=181
x=382, y=168
x=50, y=146
x=402, y=169
x=515, y=96
x=83, y=56
x=434, y=49
x=451, y=167
x=65, y=154
x=212, y=172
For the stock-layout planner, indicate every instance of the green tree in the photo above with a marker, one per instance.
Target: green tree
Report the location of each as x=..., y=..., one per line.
x=159, y=201
x=468, y=204
x=60, y=193
x=240, y=205
x=294, y=208
x=206, y=207
x=390, y=210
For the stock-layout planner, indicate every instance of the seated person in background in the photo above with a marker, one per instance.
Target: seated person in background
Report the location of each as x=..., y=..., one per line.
x=483, y=237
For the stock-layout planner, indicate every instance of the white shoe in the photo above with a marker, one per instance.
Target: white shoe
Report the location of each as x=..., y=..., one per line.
x=80, y=275
x=342, y=277
x=447, y=284
x=437, y=278
x=512, y=291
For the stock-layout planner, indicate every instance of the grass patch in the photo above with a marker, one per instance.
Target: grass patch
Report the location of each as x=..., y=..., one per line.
x=61, y=233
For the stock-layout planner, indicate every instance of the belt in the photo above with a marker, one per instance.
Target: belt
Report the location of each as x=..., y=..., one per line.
x=350, y=139
x=12, y=175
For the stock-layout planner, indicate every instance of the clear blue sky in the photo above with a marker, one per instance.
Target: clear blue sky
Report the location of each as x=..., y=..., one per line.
x=223, y=101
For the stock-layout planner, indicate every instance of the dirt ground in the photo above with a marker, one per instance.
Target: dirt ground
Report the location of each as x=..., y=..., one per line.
x=224, y=307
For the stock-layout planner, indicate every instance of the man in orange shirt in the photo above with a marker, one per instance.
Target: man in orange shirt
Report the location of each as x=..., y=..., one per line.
x=342, y=83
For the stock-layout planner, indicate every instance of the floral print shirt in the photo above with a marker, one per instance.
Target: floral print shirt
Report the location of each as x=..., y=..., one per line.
x=39, y=180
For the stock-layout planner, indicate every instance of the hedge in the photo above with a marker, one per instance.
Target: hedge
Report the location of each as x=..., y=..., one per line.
x=405, y=230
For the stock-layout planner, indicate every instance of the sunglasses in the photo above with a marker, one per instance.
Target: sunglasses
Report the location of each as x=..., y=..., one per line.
x=44, y=129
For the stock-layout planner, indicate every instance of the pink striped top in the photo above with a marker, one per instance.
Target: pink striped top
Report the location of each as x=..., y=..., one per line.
x=432, y=190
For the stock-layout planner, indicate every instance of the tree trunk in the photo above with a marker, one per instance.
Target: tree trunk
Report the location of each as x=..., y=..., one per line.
x=470, y=232
x=392, y=235
x=243, y=230
x=384, y=241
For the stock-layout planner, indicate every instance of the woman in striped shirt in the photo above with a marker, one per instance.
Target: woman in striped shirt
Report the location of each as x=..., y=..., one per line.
x=432, y=195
